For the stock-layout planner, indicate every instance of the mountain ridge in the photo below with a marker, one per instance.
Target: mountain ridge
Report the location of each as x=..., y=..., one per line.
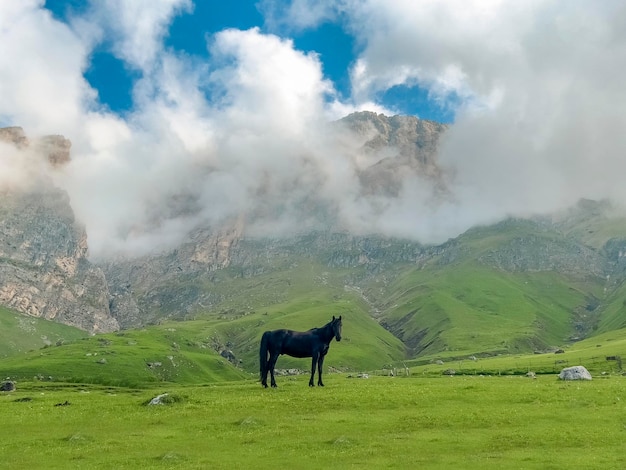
x=539, y=282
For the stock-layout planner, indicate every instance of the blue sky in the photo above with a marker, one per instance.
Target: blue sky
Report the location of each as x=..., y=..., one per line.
x=189, y=31
x=186, y=113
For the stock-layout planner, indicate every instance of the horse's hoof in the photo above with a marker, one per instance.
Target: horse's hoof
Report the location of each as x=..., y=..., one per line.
x=311, y=385
x=274, y=386
x=264, y=385
x=320, y=385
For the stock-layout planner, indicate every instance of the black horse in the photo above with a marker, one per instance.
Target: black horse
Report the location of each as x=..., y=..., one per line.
x=313, y=343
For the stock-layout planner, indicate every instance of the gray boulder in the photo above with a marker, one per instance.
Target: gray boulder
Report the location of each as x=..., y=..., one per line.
x=7, y=386
x=158, y=400
x=575, y=373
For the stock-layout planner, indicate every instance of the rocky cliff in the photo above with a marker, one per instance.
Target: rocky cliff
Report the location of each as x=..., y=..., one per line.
x=44, y=269
x=402, y=146
x=180, y=282
x=148, y=288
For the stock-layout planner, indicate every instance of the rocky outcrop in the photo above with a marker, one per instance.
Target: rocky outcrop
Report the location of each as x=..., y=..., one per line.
x=44, y=270
x=400, y=147
x=575, y=373
x=14, y=135
x=56, y=148
x=146, y=289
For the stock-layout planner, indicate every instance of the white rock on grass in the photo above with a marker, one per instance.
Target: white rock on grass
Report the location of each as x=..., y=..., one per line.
x=575, y=373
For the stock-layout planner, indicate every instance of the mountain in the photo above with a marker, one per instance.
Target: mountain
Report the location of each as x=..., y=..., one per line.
x=521, y=285
x=21, y=333
x=44, y=266
x=400, y=147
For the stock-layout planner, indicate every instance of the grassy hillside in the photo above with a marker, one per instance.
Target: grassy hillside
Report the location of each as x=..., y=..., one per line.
x=599, y=354
x=187, y=351
x=365, y=344
x=166, y=353
x=21, y=333
x=614, y=311
x=470, y=309
x=299, y=295
x=495, y=290
x=593, y=222
x=520, y=286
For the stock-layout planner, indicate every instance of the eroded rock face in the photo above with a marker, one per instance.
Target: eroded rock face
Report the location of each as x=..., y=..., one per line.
x=14, y=135
x=56, y=148
x=165, y=284
x=396, y=148
x=44, y=270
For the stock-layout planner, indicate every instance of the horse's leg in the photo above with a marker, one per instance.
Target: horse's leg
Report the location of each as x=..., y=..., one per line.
x=263, y=362
x=264, y=373
x=320, y=363
x=272, y=364
x=316, y=355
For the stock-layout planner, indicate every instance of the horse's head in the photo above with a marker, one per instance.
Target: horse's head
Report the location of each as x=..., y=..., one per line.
x=336, y=326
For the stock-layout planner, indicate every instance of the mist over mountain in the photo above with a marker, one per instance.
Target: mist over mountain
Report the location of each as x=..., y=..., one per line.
x=249, y=129
x=554, y=277
x=44, y=266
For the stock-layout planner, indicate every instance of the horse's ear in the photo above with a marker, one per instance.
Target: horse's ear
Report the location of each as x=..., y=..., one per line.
x=339, y=317
x=333, y=317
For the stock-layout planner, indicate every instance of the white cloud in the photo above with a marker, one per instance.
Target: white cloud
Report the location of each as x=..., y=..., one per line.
x=269, y=84
x=298, y=14
x=246, y=130
x=41, y=65
x=540, y=94
x=137, y=28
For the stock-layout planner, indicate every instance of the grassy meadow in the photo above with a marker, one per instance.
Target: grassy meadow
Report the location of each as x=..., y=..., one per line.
x=462, y=422
x=81, y=401
x=20, y=333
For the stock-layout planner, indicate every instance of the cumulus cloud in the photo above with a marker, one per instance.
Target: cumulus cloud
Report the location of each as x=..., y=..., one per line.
x=247, y=130
x=41, y=68
x=539, y=87
x=136, y=29
x=298, y=14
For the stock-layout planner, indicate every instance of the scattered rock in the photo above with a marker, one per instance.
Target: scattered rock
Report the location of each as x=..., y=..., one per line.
x=449, y=372
x=575, y=373
x=228, y=354
x=288, y=372
x=158, y=400
x=531, y=375
x=7, y=386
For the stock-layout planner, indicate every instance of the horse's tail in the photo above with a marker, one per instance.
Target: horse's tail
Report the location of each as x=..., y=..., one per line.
x=263, y=356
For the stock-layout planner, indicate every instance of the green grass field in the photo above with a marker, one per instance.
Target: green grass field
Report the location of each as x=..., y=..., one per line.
x=21, y=333
x=381, y=422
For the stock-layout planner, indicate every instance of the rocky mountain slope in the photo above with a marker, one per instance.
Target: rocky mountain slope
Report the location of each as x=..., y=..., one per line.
x=546, y=280
x=44, y=268
x=400, y=147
